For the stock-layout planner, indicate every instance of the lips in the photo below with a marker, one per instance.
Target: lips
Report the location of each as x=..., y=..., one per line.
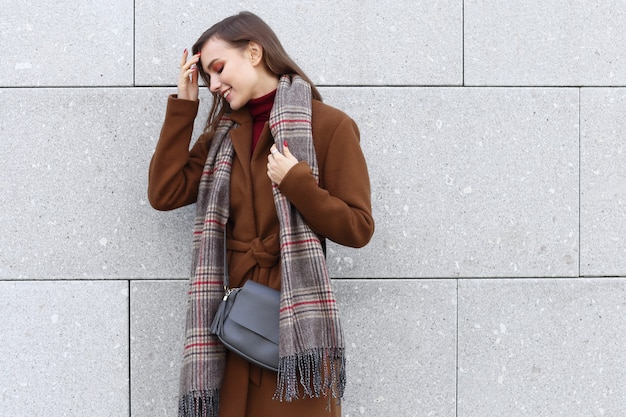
x=226, y=93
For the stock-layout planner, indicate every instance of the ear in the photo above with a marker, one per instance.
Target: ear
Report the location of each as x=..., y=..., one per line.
x=255, y=53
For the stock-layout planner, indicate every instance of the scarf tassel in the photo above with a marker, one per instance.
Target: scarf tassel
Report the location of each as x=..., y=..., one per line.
x=199, y=404
x=322, y=372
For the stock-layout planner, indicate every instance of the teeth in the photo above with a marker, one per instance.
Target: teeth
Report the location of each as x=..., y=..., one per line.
x=226, y=93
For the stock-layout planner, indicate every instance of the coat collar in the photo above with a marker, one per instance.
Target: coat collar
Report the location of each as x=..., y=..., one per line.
x=241, y=137
x=241, y=116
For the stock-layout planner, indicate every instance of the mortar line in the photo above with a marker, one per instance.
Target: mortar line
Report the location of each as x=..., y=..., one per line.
x=463, y=43
x=130, y=368
x=579, y=184
x=456, y=355
x=134, y=43
x=335, y=279
x=371, y=86
x=456, y=365
x=342, y=279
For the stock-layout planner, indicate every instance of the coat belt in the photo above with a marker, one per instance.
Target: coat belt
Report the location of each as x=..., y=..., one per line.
x=262, y=252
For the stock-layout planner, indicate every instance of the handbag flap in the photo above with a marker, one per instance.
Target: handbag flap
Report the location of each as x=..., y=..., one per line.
x=257, y=308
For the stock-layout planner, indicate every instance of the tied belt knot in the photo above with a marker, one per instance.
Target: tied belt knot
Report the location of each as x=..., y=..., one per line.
x=262, y=252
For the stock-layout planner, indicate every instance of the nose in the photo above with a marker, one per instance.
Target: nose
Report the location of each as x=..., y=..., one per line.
x=215, y=84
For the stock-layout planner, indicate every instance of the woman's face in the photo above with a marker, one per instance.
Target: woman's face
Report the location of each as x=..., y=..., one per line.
x=232, y=72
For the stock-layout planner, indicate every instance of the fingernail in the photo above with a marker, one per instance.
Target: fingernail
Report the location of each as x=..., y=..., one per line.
x=185, y=51
x=284, y=143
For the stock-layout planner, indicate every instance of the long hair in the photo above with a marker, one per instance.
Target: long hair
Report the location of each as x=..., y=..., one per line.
x=238, y=31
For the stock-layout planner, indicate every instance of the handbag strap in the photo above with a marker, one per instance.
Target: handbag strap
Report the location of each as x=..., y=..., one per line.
x=226, y=274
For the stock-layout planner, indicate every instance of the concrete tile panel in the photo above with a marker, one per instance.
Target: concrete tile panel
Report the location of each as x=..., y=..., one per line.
x=73, y=185
x=64, y=348
x=541, y=347
x=603, y=189
x=401, y=347
x=66, y=43
x=466, y=182
x=401, y=338
x=157, y=333
x=544, y=43
x=491, y=185
x=336, y=43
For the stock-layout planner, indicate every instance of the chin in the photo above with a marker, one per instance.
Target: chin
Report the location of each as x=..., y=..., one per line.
x=235, y=105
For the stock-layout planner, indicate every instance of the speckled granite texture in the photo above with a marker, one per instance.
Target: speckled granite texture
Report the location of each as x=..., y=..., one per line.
x=495, y=284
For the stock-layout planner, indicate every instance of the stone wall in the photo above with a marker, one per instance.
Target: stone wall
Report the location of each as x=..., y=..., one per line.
x=495, y=283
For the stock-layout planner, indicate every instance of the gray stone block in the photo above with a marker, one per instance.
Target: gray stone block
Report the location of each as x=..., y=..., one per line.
x=400, y=335
x=66, y=44
x=157, y=334
x=64, y=349
x=74, y=181
x=544, y=43
x=477, y=182
x=345, y=43
x=541, y=347
x=603, y=189
x=466, y=182
x=401, y=338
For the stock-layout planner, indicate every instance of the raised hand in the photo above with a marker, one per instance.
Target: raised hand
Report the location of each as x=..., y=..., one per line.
x=188, y=78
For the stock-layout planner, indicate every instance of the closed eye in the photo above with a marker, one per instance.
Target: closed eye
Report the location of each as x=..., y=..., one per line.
x=217, y=68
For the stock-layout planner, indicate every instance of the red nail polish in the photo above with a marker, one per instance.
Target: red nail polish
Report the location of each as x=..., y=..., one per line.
x=185, y=51
x=285, y=143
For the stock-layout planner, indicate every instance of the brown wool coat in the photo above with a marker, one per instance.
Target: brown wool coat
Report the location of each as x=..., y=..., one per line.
x=338, y=209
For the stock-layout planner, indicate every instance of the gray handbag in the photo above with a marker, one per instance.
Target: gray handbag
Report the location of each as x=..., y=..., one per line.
x=246, y=321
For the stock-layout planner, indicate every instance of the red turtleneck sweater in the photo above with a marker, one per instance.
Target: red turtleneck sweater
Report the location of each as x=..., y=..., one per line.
x=260, y=109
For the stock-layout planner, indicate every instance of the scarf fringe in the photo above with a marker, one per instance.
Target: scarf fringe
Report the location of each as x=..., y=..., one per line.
x=322, y=374
x=199, y=404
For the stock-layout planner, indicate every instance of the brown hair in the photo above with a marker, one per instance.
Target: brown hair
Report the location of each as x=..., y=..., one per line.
x=238, y=31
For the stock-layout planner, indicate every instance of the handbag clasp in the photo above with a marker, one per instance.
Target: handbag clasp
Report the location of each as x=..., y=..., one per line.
x=227, y=292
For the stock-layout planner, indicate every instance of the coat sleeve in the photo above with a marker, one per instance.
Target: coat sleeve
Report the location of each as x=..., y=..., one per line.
x=341, y=211
x=175, y=170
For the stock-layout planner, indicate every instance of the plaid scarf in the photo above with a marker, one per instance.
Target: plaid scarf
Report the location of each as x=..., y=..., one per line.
x=311, y=346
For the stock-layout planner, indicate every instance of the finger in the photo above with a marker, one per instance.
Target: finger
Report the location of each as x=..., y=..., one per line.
x=184, y=58
x=274, y=151
x=288, y=155
x=184, y=77
x=187, y=65
x=194, y=76
x=286, y=150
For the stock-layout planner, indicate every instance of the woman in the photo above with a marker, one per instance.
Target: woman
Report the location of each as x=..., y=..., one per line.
x=278, y=171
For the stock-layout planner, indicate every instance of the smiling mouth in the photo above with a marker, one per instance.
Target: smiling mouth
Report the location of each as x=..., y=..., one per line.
x=226, y=93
